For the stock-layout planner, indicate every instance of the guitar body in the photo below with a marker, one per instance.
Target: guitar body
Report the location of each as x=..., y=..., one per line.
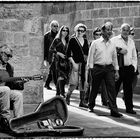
x=53, y=111
x=3, y=74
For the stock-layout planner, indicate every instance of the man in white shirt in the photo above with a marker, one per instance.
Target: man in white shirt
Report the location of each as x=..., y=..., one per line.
x=127, y=54
x=102, y=59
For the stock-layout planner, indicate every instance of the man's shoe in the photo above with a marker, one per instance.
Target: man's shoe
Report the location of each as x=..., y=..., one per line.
x=48, y=87
x=131, y=111
x=90, y=110
x=83, y=105
x=4, y=125
x=116, y=114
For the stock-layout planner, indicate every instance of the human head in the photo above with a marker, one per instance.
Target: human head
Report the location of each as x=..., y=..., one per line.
x=5, y=53
x=54, y=25
x=125, y=30
x=63, y=31
x=96, y=33
x=107, y=30
x=132, y=32
x=80, y=29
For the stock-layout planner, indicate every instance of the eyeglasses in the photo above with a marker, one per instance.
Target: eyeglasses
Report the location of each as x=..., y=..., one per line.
x=82, y=31
x=65, y=30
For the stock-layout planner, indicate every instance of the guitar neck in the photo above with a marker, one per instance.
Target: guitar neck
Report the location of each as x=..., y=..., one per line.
x=9, y=79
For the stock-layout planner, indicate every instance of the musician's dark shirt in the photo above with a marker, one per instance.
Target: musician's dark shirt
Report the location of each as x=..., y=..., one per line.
x=18, y=85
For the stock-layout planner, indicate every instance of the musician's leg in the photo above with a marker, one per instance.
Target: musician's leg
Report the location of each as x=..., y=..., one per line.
x=17, y=99
x=5, y=102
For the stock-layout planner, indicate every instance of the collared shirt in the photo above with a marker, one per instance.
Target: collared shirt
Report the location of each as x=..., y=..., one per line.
x=130, y=58
x=102, y=53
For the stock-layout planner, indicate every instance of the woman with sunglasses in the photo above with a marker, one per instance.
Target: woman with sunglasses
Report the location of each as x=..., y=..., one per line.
x=58, y=48
x=77, y=53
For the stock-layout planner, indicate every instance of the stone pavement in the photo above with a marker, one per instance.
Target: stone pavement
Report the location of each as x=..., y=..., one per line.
x=99, y=124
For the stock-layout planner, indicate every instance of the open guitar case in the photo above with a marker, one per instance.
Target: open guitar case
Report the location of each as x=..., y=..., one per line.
x=50, y=117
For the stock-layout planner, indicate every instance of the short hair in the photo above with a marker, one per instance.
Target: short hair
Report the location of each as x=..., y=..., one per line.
x=124, y=25
x=80, y=25
x=54, y=22
x=106, y=24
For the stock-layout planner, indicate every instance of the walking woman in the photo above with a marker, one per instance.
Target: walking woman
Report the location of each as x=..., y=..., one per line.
x=77, y=53
x=58, y=48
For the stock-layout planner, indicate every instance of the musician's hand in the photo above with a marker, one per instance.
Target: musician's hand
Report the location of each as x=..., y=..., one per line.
x=25, y=80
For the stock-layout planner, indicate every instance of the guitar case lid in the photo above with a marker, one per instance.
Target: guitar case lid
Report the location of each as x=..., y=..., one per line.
x=55, y=112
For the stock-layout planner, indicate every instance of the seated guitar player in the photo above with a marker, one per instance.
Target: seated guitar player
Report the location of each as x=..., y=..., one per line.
x=10, y=96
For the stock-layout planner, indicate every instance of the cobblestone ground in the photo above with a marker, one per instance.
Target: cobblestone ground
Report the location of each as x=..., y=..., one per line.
x=96, y=125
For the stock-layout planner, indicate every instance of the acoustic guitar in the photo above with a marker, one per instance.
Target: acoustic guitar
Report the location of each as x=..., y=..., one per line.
x=4, y=77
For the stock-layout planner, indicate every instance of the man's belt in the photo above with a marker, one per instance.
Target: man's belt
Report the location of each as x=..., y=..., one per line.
x=103, y=66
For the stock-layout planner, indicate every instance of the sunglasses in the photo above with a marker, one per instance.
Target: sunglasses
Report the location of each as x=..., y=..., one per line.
x=65, y=30
x=82, y=31
x=55, y=25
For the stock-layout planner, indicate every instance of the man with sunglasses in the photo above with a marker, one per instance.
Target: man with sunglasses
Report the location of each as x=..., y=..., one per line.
x=102, y=59
x=48, y=39
x=10, y=96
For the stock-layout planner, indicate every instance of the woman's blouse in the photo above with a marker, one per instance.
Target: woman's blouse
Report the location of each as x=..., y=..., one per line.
x=76, y=50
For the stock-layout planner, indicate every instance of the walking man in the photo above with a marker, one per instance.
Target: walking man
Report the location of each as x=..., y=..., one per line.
x=102, y=58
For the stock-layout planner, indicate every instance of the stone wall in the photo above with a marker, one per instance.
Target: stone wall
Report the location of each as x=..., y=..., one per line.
x=20, y=27
x=94, y=14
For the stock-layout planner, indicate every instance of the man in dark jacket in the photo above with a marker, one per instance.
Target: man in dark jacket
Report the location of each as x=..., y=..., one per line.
x=10, y=97
x=48, y=39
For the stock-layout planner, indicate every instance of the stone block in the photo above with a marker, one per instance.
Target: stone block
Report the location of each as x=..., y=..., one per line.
x=2, y=36
x=137, y=34
x=17, y=25
x=137, y=22
x=115, y=12
x=117, y=22
x=5, y=25
x=9, y=37
x=121, y=4
x=106, y=4
x=124, y=12
x=90, y=5
x=97, y=5
x=137, y=44
x=86, y=15
x=103, y=13
x=80, y=5
x=114, y=4
x=129, y=3
x=129, y=20
x=21, y=38
x=98, y=23
x=134, y=11
x=35, y=45
x=89, y=24
x=94, y=14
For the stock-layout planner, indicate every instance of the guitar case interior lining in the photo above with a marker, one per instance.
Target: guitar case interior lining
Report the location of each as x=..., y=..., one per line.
x=54, y=112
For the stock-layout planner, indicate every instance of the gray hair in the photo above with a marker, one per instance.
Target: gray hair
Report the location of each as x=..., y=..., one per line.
x=54, y=22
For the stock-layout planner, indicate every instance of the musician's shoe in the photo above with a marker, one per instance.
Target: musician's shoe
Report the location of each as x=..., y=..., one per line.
x=116, y=114
x=131, y=111
x=4, y=125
